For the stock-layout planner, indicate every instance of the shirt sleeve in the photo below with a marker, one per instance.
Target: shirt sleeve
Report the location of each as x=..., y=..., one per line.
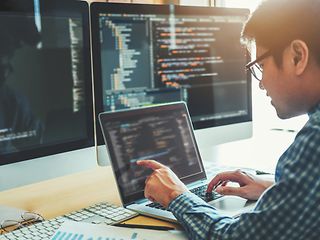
x=197, y=217
x=283, y=212
x=289, y=209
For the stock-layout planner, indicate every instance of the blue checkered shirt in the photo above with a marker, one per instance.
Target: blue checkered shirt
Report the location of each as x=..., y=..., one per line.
x=288, y=210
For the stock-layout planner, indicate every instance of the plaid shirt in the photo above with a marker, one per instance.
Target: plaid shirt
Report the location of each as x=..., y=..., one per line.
x=288, y=210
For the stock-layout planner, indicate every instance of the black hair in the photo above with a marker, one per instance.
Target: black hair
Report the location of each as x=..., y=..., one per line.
x=276, y=23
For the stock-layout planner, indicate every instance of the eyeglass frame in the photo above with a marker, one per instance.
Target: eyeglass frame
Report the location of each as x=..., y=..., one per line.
x=19, y=224
x=256, y=63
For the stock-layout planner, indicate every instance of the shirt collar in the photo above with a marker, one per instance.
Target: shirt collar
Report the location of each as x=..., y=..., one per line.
x=314, y=110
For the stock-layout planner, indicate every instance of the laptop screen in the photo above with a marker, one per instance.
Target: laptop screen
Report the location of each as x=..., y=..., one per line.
x=163, y=133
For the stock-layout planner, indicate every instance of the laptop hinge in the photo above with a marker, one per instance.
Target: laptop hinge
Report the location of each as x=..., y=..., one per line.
x=197, y=183
x=138, y=201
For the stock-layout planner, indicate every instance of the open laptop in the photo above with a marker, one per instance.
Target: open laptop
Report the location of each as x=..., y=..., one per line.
x=163, y=133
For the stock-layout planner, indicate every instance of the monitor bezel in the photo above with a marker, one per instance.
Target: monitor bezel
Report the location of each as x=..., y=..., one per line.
x=97, y=8
x=146, y=111
x=61, y=8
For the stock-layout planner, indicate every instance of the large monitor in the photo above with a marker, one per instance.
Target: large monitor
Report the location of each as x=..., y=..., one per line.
x=151, y=54
x=46, y=115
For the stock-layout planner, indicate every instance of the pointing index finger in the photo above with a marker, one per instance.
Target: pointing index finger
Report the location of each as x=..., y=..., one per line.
x=152, y=164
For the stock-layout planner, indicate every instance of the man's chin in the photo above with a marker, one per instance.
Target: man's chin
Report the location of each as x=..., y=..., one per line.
x=282, y=114
x=286, y=114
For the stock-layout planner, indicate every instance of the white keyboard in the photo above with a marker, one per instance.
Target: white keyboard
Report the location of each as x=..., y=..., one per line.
x=102, y=213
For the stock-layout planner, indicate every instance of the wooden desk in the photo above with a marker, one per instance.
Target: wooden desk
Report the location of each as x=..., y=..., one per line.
x=62, y=195
x=69, y=193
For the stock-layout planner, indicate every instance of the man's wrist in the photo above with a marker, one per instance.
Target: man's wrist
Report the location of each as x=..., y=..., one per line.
x=173, y=195
x=185, y=199
x=268, y=183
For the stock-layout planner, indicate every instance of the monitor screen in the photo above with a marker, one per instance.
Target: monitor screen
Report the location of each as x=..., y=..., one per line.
x=45, y=79
x=151, y=54
x=163, y=133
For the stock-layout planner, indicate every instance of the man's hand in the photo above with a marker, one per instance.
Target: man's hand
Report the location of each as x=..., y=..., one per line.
x=251, y=187
x=162, y=186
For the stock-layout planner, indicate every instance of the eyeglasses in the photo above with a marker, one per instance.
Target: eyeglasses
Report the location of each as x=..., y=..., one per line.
x=27, y=218
x=254, y=67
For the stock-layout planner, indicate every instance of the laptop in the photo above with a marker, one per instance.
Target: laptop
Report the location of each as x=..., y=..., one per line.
x=163, y=133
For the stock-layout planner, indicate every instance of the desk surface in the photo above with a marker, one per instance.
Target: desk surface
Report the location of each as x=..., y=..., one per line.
x=62, y=195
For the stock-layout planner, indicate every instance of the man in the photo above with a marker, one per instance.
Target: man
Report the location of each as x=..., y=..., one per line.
x=287, y=38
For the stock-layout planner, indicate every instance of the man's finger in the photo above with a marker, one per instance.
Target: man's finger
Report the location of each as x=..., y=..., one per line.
x=150, y=164
x=235, y=191
x=233, y=176
x=224, y=183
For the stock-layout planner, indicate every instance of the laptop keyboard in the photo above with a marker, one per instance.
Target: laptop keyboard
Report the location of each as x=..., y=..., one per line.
x=102, y=213
x=202, y=193
x=199, y=191
x=157, y=205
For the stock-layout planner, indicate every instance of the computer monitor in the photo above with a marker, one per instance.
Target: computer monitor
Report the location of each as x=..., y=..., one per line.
x=151, y=54
x=46, y=109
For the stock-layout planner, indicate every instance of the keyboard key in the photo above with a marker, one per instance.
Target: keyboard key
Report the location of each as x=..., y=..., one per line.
x=202, y=193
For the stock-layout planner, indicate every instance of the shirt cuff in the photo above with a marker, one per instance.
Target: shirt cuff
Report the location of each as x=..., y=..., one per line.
x=184, y=202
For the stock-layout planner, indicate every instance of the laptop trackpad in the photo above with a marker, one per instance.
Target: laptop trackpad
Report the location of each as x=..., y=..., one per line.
x=229, y=203
x=232, y=205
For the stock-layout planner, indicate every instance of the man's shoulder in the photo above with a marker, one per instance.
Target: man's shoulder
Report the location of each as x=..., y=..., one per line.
x=303, y=155
x=309, y=135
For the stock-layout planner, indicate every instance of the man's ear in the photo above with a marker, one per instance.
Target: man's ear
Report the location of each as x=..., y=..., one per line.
x=300, y=55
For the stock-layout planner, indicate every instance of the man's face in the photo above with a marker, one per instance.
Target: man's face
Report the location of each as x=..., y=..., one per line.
x=281, y=85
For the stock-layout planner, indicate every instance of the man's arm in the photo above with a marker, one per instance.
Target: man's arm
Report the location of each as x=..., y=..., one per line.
x=163, y=185
x=285, y=211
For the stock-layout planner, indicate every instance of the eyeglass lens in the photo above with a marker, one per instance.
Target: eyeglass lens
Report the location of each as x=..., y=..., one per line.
x=10, y=225
x=30, y=216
